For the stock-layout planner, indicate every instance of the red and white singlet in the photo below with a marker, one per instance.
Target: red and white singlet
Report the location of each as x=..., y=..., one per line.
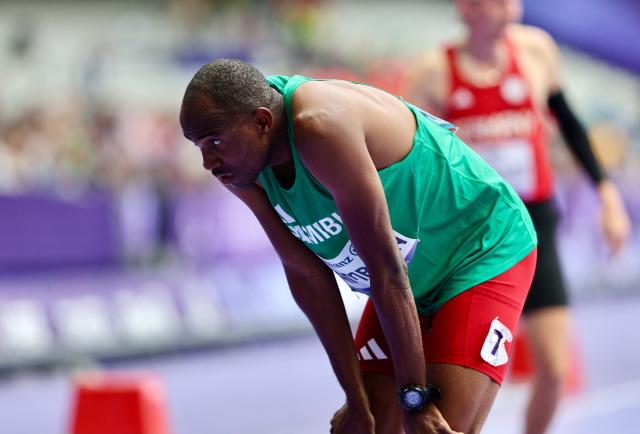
x=503, y=125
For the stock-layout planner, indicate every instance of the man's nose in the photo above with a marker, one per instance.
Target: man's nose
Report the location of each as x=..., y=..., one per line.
x=210, y=162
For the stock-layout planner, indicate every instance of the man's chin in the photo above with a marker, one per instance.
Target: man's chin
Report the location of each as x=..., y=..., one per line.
x=242, y=183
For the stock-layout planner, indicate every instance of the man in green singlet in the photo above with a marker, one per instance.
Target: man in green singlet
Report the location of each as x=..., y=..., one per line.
x=347, y=179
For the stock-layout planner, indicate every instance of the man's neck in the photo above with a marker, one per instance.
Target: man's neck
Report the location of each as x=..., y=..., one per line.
x=280, y=152
x=485, y=50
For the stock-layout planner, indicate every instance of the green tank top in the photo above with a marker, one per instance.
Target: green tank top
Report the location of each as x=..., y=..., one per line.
x=456, y=221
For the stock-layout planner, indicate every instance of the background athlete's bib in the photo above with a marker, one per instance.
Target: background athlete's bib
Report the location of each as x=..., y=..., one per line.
x=514, y=161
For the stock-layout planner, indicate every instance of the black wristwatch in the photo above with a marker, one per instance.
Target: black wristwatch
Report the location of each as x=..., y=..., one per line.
x=415, y=398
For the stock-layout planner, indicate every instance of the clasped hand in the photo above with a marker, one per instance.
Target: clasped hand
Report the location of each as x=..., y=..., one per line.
x=352, y=421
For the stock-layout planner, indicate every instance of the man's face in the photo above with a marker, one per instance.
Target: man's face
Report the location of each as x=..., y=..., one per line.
x=489, y=17
x=234, y=148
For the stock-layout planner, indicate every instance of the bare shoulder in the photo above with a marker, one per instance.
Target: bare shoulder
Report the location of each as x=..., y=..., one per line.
x=534, y=40
x=540, y=54
x=320, y=106
x=329, y=129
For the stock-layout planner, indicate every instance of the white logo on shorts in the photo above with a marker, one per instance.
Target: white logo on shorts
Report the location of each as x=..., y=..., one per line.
x=493, y=350
x=375, y=348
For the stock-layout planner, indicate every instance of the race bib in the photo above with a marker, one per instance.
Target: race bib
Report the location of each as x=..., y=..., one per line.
x=350, y=267
x=514, y=161
x=493, y=350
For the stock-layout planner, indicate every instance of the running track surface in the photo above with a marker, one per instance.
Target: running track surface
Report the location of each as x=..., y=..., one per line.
x=287, y=387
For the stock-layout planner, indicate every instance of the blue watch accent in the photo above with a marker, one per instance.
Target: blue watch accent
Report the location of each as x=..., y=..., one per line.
x=414, y=398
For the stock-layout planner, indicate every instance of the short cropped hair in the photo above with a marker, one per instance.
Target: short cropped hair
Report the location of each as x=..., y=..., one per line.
x=234, y=86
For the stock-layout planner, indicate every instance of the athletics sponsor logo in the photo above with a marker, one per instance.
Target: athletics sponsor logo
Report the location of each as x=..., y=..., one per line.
x=350, y=267
x=283, y=215
x=375, y=353
x=514, y=90
x=440, y=122
x=494, y=351
x=462, y=98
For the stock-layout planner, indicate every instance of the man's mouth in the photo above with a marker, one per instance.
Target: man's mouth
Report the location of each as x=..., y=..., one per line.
x=218, y=172
x=225, y=178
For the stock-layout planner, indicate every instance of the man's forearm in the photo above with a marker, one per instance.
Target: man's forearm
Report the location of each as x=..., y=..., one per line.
x=319, y=298
x=396, y=310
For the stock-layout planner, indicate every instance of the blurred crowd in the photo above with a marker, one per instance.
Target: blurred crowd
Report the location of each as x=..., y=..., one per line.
x=73, y=147
x=83, y=137
x=86, y=137
x=107, y=118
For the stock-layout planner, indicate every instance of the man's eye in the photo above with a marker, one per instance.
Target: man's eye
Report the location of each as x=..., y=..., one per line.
x=216, y=142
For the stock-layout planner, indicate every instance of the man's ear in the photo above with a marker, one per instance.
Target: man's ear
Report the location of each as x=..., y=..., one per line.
x=263, y=119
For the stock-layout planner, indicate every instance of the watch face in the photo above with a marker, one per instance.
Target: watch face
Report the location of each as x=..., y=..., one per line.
x=413, y=398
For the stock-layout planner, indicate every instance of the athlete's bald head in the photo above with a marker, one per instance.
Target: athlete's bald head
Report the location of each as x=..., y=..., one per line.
x=220, y=90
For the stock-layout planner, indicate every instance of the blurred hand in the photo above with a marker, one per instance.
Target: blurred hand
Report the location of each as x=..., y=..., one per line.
x=428, y=421
x=615, y=221
x=350, y=421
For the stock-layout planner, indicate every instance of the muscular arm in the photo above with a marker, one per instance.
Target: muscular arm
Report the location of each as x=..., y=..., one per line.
x=314, y=289
x=333, y=147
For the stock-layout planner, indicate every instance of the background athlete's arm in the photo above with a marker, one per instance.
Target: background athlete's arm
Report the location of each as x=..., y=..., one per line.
x=316, y=292
x=428, y=83
x=615, y=221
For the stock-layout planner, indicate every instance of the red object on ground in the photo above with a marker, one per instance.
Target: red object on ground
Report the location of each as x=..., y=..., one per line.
x=521, y=365
x=119, y=403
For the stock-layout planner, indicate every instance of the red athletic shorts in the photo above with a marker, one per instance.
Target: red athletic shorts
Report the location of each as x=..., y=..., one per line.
x=474, y=329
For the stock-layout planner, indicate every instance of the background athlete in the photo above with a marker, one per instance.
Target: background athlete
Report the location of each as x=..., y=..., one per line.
x=348, y=179
x=497, y=85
